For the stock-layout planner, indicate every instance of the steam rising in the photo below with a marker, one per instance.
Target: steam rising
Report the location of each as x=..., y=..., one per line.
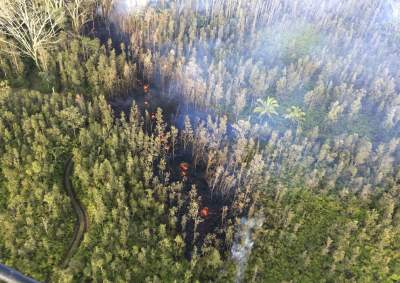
x=243, y=244
x=132, y=5
x=336, y=60
x=395, y=5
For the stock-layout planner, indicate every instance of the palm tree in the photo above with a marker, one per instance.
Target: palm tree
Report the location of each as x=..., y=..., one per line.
x=295, y=114
x=266, y=107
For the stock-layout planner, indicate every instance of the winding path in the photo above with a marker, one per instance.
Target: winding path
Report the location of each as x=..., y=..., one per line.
x=10, y=275
x=81, y=224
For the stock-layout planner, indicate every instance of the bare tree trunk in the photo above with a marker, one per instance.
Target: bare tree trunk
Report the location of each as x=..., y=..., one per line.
x=29, y=26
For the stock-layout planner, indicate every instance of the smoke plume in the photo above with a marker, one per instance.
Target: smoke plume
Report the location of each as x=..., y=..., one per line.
x=243, y=244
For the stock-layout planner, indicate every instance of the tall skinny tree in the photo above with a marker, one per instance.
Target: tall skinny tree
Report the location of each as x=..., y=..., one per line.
x=80, y=11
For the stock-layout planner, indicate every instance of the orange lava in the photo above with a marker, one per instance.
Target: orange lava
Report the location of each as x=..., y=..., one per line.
x=184, y=166
x=204, y=212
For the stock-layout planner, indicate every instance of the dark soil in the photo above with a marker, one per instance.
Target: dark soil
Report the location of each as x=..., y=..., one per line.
x=148, y=103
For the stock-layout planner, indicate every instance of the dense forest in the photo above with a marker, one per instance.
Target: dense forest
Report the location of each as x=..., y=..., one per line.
x=200, y=140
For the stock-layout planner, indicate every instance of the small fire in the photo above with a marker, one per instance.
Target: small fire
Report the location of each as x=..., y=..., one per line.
x=184, y=166
x=163, y=138
x=204, y=212
x=78, y=98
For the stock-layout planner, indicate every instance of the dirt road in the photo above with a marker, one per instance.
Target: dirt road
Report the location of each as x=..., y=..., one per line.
x=81, y=224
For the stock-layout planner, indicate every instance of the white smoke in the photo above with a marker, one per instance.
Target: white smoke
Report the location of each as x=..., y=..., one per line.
x=395, y=4
x=126, y=7
x=243, y=244
x=135, y=4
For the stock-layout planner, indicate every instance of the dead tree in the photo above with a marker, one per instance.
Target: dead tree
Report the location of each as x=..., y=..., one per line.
x=80, y=12
x=30, y=26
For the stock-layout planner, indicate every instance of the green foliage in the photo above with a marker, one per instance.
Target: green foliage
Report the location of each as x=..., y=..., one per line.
x=295, y=114
x=300, y=43
x=35, y=213
x=316, y=237
x=342, y=226
x=266, y=107
x=114, y=180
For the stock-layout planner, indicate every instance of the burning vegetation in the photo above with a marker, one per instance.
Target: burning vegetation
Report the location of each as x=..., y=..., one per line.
x=146, y=88
x=204, y=212
x=212, y=141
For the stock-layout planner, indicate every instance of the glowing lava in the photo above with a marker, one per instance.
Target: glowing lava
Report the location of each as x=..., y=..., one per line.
x=184, y=166
x=204, y=212
x=146, y=88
